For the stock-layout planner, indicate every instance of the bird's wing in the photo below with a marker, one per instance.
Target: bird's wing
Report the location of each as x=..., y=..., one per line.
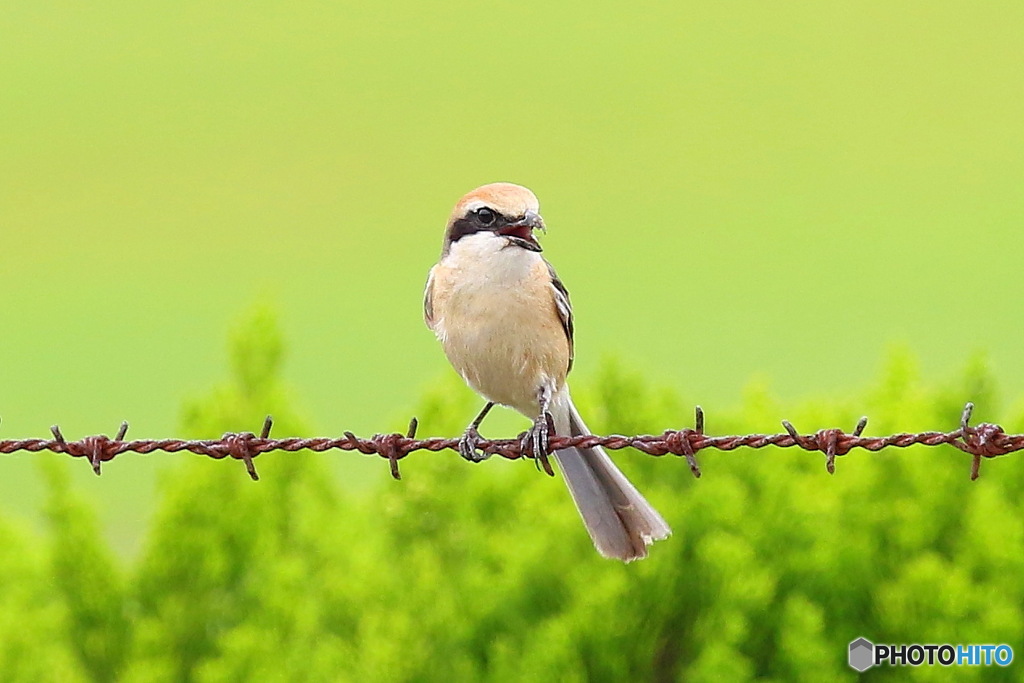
x=563, y=308
x=428, y=301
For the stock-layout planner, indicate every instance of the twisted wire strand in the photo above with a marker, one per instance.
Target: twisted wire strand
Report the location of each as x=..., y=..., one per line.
x=985, y=440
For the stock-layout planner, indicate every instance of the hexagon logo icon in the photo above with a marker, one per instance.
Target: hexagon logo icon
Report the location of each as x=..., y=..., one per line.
x=862, y=654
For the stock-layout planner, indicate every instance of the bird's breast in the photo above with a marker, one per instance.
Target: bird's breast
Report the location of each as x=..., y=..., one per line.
x=495, y=316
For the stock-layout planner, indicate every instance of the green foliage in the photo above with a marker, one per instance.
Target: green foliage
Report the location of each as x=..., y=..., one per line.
x=88, y=581
x=463, y=572
x=35, y=633
x=255, y=390
x=224, y=587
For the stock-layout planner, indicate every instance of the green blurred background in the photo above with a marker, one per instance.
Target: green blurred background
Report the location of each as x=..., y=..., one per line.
x=733, y=190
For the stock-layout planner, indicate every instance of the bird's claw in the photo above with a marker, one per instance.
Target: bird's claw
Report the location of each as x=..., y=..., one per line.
x=469, y=446
x=534, y=442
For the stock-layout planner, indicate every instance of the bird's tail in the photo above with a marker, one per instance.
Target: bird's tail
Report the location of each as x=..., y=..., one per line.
x=620, y=521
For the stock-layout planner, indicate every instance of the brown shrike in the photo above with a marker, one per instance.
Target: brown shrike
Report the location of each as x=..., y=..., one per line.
x=505, y=322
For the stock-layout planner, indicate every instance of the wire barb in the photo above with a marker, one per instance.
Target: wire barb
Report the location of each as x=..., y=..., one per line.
x=240, y=446
x=987, y=440
x=98, y=448
x=983, y=441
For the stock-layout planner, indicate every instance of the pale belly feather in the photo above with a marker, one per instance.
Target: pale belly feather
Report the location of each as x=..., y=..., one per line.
x=500, y=330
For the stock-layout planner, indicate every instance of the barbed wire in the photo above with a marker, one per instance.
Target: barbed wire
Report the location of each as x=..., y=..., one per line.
x=985, y=440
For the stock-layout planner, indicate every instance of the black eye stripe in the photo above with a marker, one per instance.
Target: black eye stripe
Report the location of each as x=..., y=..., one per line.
x=474, y=222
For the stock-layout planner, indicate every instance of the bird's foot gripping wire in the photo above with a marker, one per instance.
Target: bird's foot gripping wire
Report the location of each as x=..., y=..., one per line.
x=470, y=441
x=469, y=445
x=534, y=442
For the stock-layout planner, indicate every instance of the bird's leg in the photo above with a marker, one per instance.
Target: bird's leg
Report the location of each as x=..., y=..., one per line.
x=535, y=440
x=471, y=438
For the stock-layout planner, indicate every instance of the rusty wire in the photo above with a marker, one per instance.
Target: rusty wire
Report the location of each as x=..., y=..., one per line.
x=985, y=440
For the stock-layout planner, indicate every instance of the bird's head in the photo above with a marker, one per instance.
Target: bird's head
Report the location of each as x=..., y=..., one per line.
x=503, y=209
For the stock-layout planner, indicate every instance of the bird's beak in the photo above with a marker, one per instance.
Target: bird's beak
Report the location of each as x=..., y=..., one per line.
x=520, y=232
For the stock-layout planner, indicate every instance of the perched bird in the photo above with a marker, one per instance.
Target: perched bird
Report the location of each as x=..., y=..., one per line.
x=505, y=322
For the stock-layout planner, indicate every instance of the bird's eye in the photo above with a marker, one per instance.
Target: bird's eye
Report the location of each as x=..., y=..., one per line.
x=485, y=216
